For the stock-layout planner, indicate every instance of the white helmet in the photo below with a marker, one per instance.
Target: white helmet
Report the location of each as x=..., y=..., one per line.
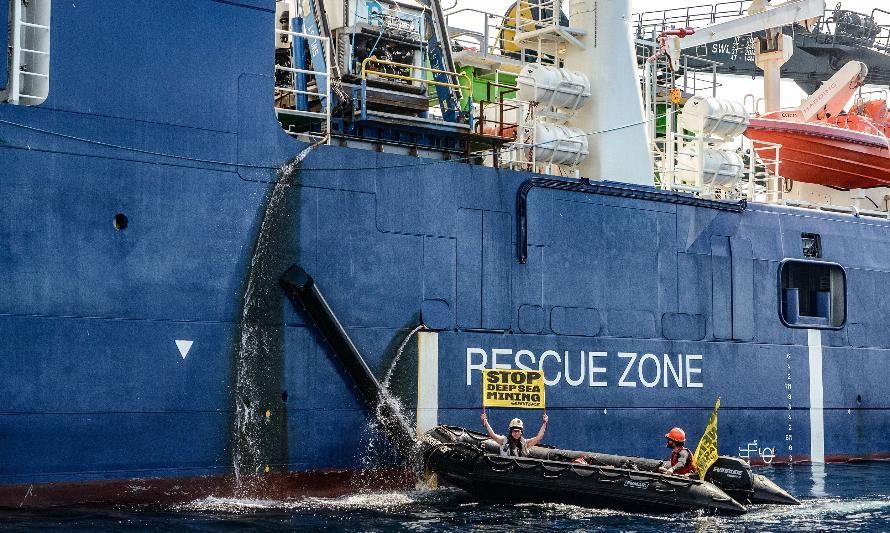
x=516, y=423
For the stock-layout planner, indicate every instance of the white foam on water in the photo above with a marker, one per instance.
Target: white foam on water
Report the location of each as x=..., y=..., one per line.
x=229, y=505
x=815, y=511
x=388, y=502
x=573, y=512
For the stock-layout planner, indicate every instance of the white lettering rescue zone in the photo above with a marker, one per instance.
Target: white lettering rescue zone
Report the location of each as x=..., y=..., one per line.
x=577, y=368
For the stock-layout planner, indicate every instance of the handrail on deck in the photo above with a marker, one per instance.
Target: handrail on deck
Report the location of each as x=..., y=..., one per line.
x=374, y=59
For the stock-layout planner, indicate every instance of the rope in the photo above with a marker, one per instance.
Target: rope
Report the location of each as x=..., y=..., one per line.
x=424, y=163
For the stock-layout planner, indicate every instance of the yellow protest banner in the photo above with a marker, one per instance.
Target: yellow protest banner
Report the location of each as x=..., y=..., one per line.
x=706, y=450
x=513, y=388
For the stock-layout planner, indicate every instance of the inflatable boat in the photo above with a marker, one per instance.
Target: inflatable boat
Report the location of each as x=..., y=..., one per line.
x=470, y=461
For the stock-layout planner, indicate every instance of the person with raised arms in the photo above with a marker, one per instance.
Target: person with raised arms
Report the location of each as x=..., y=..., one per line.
x=514, y=444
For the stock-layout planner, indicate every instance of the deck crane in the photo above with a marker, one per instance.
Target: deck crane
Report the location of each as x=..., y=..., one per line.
x=771, y=52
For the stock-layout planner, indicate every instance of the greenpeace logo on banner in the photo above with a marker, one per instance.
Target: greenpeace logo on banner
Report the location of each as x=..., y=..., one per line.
x=576, y=368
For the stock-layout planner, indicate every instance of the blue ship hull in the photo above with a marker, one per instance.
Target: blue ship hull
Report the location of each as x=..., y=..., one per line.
x=641, y=307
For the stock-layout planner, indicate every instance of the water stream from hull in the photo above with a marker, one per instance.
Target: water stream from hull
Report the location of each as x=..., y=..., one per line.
x=260, y=425
x=376, y=449
x=257, y=434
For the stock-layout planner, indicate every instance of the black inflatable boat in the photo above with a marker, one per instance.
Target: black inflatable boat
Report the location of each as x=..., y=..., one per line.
x=470, y=461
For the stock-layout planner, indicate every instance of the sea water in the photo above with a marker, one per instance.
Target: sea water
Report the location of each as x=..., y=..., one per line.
x=838, y=497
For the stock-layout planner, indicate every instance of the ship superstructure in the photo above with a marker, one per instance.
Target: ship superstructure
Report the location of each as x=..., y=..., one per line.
x=821, y=48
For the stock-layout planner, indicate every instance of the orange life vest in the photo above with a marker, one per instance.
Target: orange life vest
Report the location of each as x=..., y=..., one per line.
x=689, y=468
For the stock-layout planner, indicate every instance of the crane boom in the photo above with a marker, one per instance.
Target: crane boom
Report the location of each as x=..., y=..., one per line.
x=775, y=17
x=833, y=95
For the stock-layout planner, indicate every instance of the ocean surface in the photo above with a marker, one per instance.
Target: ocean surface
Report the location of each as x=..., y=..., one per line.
x=842, y=497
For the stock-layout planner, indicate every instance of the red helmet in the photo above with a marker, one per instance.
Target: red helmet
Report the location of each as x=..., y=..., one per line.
x=676, y=435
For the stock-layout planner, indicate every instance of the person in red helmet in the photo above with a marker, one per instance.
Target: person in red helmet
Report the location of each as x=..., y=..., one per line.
x=514, y=444
x=682, y=461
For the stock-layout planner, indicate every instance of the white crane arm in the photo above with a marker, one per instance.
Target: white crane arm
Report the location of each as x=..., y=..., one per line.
x=782, y=15
x=832, y=96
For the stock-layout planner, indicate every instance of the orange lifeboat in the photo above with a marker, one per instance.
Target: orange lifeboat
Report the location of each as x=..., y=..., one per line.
x=848, y=151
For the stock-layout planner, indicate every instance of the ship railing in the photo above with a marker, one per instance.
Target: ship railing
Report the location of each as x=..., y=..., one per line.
x=494, y=110
x=863, y=95
x=528, y=152
x=296, y=99
x=882, y=40
x=753, y=104
x=539, y=26
x=664, y=92
x=648, y=24
x=462, y=81
x=411, y=79
x=29, y=45
x=690, y=175
x=509, y=41
x=833, y=208
x=686, y=162
x=695, y=75
x=492, y=36
x=857, y=123
x=859, y=27
x=548, y=14
x=763, y=181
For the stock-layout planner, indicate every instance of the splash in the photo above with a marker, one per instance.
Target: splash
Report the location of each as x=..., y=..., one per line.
x=259, y=347
x=389, y=425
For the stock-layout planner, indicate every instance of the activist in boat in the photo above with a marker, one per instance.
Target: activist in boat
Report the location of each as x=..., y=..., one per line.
x=514, y=444
x=516, y=389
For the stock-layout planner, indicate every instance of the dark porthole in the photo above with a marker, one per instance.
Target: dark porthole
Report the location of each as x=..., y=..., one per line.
x=121, y=222
x=812, y=294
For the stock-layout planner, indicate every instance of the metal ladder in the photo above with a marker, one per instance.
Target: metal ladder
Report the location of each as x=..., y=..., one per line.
x=29, y=72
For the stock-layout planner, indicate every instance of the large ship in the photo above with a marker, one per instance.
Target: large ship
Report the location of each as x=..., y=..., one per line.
x=165, y=163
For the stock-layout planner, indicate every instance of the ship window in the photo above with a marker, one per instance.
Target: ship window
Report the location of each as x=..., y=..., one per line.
x=812, y=294
x=812, y=245
x=27, y=78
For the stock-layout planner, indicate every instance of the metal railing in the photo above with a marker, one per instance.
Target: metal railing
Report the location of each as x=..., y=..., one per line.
x=29, y=52
x=846, y=25
x=487, y=41
x=497, y=37
x=361, y=94
x=287, y=97
x=401, y=77
x=649, y=24
x=498, y=125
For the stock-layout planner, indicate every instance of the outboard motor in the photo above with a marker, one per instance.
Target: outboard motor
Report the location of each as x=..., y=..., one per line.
x=734, y=476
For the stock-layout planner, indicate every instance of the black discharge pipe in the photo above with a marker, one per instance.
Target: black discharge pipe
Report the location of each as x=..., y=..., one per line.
x=301, y=288
x=603, y=189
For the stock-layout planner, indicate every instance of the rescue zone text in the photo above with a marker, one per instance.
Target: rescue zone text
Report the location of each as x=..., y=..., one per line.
x=513, y=388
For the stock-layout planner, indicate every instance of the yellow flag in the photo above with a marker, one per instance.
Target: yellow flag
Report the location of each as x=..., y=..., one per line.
x=706, y=451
